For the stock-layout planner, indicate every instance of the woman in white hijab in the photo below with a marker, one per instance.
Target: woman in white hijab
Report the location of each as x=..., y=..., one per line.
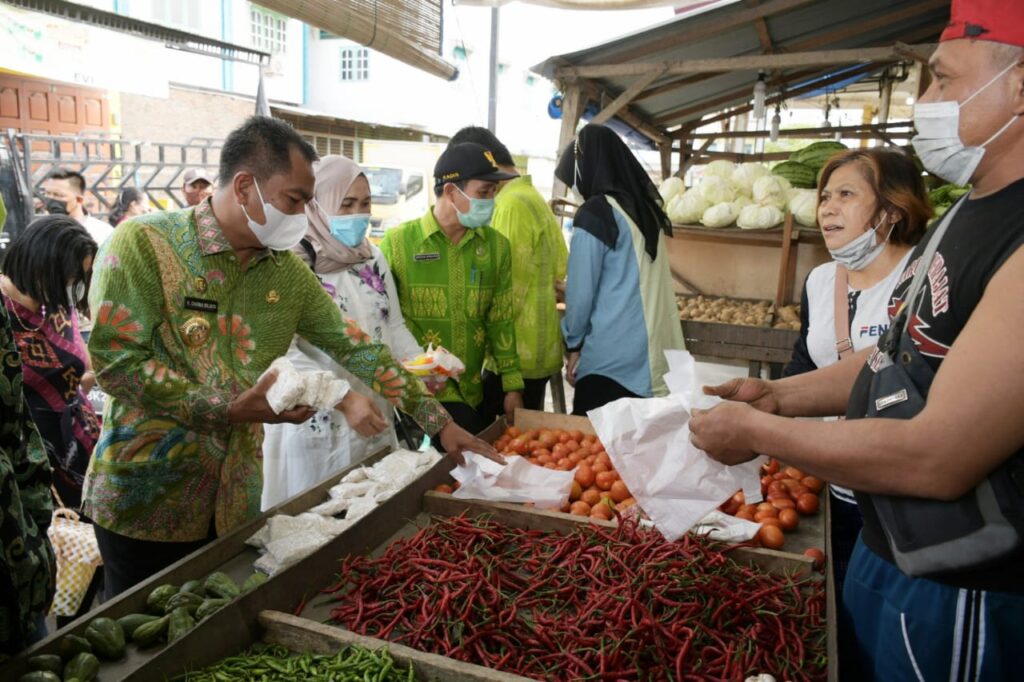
x=356, y=275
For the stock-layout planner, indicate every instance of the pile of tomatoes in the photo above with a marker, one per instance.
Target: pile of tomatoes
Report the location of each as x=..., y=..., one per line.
x=788, y=494
x=597, y=488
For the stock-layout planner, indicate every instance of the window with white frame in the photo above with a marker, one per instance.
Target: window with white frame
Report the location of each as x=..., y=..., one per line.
x=181, y=14
x=269, y=30
x=355, y=64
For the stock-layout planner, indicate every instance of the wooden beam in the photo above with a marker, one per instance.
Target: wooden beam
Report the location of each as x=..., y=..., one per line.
x=574, y=99
x=707, y=29
x=696, y=155
x=762, y=31
x=742, y=63
x=641, y=123
x=627, y=96
x=772, y=98
x=665, y=150
x=738, y=156
x=673, y=85
x=798, y=132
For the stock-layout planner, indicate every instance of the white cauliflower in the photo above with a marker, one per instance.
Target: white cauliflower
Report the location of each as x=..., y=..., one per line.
x=716, y=189
x=803, y=204
x=687, y=208
x=745, y=175
x=720, y=215
x=759, y=217
x=773, y=190
x=722, y=169
x=670, y=188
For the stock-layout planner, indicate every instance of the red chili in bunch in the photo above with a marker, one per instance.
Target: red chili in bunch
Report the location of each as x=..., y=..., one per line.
x=595, y=604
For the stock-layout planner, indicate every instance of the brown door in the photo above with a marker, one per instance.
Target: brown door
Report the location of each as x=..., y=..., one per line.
x=31, y=105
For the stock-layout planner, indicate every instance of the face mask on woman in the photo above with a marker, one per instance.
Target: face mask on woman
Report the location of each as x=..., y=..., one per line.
x=863, y=250
x=479, y=213
x=350, y=230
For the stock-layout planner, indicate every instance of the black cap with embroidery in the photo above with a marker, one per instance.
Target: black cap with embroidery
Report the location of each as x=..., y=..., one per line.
x=468, y=161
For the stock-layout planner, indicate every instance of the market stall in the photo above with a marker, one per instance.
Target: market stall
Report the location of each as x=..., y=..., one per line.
x=693, y=81
x=208, y=610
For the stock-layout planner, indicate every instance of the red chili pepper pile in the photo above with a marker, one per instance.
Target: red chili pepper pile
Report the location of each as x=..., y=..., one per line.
x=621, y=604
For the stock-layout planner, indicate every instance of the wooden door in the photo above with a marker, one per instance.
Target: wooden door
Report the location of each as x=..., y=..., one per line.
x=32, y=105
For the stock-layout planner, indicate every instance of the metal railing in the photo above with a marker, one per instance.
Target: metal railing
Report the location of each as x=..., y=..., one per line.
x=109, y=164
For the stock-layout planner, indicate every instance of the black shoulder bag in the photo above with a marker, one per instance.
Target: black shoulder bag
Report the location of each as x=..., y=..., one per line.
x=928, y=537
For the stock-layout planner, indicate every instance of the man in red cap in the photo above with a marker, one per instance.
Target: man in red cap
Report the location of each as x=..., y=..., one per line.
x=934, y=440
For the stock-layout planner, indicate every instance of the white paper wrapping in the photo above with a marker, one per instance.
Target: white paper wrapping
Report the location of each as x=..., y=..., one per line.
x=516, y=481
x=319, y=389
x=286, y=539
x=648, y=441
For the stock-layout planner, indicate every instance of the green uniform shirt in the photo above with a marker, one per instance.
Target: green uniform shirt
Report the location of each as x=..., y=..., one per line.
x=458, y=296
x=180, y=330
x=539, y=259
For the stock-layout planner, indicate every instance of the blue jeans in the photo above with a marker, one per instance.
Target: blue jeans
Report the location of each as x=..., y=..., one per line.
x=908, y=628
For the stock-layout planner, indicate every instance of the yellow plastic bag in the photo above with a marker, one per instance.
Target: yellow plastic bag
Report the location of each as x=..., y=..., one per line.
x=78, y=555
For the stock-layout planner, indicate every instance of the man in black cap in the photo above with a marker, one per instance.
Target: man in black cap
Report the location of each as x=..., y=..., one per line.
x=453, y=273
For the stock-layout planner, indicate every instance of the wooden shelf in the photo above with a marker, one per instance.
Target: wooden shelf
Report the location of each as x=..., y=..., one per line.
x=736, y=235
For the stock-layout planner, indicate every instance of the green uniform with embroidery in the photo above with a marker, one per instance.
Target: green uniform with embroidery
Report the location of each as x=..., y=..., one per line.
x=180, y=330
x=27, y=564
x=458, y=296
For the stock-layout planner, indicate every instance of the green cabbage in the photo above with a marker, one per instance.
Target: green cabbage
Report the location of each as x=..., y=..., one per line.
x=720, y=215
x=759, y=217
x=803, y=204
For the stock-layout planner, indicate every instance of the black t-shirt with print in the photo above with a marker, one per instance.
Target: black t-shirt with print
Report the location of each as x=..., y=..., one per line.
x=983, y=235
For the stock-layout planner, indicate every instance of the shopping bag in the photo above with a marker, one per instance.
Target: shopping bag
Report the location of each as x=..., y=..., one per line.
x=78, y=555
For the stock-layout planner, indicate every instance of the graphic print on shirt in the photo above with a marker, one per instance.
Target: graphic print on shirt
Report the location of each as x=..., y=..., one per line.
x=935, y=296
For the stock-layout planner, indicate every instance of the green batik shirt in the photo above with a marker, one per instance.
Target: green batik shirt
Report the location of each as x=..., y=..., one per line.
x=458, y=296
x=27, y=568
x=539, y=259
x=180, y=330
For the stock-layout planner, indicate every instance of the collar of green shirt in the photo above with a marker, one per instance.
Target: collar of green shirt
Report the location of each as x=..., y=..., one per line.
x=429, y=227
x=211, y=237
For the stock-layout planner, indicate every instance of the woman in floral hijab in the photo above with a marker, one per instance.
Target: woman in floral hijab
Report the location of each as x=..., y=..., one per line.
x=356, y=275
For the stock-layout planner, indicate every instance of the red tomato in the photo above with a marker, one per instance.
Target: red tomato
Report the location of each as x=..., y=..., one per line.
x=572, y=445
x=600, y=467
x=771, y=467
x=444, y=488
x=500, y=444
x=768, y=521
x=619, y=491
x=518, y=445
x=813, y=483
x=589, y=439
x=576, y=492
x=577, y=435
x=512, y=432
x=564, y=464
x=771, y=537
x=585, y=475
x=601, y=511
x=543, y=459
x=779, y=475
x=564, y=437
x=730, y=506
x=591, y=496
x=542, y=451
x=767, y=507
x=744, y=514
x=604, y=480
x=559, y=451
x=817, y=555
x=551, y=465
x=789, y=519
x=575, y=458
x=793, y=472
x=580, y=508
x=782, y=503
x=549, y=438
x=807, y=504
x=796, y=491
x=748, y=509
x=776, y=488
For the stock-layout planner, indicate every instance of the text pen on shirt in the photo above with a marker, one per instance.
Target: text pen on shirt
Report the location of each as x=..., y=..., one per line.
x=472, y=275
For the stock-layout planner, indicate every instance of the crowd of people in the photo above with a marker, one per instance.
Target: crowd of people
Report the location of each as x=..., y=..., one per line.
x=188, y=308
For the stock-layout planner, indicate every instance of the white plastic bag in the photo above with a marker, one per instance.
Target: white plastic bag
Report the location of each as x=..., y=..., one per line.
x=516, y=481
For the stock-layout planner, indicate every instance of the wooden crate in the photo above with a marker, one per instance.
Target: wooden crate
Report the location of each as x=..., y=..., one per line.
x=739, y=342
x=235, y=627
x=810, y=533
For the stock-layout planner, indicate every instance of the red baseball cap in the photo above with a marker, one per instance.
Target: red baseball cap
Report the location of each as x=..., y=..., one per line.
x=1001, y=21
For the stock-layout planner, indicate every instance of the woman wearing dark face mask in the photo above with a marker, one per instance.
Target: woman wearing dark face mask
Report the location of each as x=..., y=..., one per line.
x=620, y=313
x=356, y=275
x=872, y=210
x=46, y=277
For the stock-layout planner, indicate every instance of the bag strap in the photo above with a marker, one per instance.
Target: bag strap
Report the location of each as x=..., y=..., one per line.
x=925, y=263
x=307, y=246
x=844, y=344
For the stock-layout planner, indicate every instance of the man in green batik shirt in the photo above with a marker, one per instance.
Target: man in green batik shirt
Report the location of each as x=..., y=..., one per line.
x=190, y=308
x=539, y=260
x=453, y=274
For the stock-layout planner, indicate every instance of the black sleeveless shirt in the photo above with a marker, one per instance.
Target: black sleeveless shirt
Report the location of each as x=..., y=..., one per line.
x=983, y=235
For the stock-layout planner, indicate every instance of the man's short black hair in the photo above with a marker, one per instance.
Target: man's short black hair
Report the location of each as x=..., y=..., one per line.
x=486, y=139
x=261, y=146
x=76, y=178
